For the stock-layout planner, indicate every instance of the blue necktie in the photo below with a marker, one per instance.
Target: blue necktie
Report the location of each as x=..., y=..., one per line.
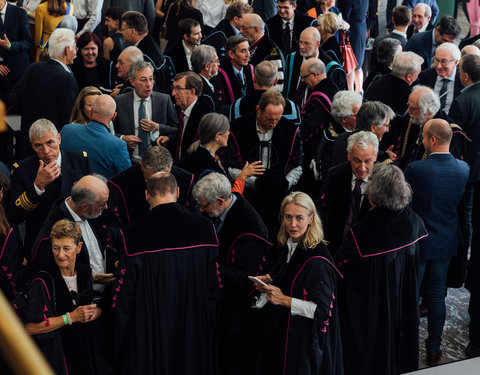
x=142, y=134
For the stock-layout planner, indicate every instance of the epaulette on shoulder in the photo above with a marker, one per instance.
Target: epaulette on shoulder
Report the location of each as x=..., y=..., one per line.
x=14, y=166
x=85, y=154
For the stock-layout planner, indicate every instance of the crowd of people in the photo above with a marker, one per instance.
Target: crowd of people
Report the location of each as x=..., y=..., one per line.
x=218, y=187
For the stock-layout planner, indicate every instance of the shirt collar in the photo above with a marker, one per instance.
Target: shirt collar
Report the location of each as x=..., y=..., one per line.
x=205, y=80
x=185, y=48
x=235, y=30
x=257, y=42
x=290, y=22
x=188, y=111
x=62, y=64
x=354, y=178
x=468, y=87
x=399, y=33
x=236, y=71
x=4, y=10
x=75, y=217
x=424, y=27
x=136, y=98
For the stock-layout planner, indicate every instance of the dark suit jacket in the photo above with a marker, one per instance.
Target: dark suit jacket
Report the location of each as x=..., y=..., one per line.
x=422, y=45
x=26, y=204
x=440, y=178
x=378, y=39
x=229, y=83
x=410, y=30
x=190, y=133
x=336, y=201
x=48, y=91
x=216, y=96
x=429, y=77
x=275, y=29
x=465, y=111
x=163, y=112
x=217, y=38
x=177, y=54
x=17, y=28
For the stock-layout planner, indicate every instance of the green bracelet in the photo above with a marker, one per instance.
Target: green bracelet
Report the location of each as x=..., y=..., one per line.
x=28, y=12
x=65, y=319
x=9, y=45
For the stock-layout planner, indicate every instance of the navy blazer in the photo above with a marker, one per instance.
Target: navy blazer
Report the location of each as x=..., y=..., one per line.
x=429, y=78
x=422, y=45
x=17, y=28
x=438, y=184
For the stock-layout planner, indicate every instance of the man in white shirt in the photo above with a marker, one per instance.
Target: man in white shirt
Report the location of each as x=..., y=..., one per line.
x=180, y=52
x=142, y=114
x=421, y=15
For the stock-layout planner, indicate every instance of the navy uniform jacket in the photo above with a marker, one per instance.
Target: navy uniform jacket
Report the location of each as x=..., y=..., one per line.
x=422, y=45
x=438, y=184
x=26, y=205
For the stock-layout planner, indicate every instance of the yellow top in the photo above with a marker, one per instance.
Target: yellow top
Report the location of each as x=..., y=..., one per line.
x=45, y=24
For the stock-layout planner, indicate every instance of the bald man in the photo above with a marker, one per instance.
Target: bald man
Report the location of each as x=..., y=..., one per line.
x=308, y=47
x=108, y=154
x=262, y=47
x=470, y=50
x=126, y=58
x=438, y=184
x=88, y=198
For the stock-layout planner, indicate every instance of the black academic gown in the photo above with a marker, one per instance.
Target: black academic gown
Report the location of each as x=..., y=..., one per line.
x=127, y=202
x=378, y=298
x=242, y=252
x=72, y=349
x=295, y=344
x=166, y=294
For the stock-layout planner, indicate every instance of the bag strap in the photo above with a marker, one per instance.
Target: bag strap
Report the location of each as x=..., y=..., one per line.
x=168, y=12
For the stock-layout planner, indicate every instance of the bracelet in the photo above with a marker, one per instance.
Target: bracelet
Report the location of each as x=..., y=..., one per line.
x=70, y=321
x=65, y=319
x=28, y=12
x=9, y=45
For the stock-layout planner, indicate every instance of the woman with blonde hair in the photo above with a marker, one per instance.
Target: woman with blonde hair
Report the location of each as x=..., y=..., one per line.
x=328, y=26
x=303, y=334
x=48, y=15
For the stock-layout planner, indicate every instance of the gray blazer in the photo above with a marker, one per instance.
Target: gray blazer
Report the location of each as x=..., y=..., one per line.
x=163, y=112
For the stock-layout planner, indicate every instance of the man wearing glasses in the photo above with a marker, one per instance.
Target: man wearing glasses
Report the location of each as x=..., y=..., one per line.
x=186, y=90
x=286, y=26
x=444, y=78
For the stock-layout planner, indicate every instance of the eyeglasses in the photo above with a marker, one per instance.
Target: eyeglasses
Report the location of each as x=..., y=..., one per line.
x=412, y=109
x=305, y=77
x=245, y=27
x=176, y=88
x=284, y=8
x=444, y=62
x=125, y=28
x=388, y=126
x=203, y=206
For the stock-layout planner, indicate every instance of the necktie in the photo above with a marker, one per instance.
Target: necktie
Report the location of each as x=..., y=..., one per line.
x=243, y=88
x=287, y=38
x=142, y=134
x=443, y=93
x=354, y=206
x=179, y=137
x=2, y=27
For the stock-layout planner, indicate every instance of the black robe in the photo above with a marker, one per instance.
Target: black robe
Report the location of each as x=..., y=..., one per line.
x=73, y=349
x=243, y=247
x=11, y=269
x=127, y=203
x=379, y=298
x=295, y=344
x=201, y=163
x=166, y=294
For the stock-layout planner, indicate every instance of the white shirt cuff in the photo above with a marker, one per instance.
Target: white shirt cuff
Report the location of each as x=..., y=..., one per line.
x=303, y=308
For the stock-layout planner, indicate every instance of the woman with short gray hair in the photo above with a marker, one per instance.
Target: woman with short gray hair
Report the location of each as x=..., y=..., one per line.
x=202, y=158
x=379, y=262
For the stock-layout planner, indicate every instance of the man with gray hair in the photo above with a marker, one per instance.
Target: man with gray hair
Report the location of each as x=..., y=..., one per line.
x=262, y=47
x=265, y=78
x=421, y=15
x=88, y=198
x=444, y=77
x=243, y=247
x=205, y=63
x=126, y=58
x=48, y=89
x=40, y=179
x=393, y=90
x=345, y=106
x=309, y=47
x=143, y=115
x=343, y=201
x=108, y=154
x=127, y=188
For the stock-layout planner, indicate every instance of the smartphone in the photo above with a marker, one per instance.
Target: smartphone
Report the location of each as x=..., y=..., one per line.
x=257, y=280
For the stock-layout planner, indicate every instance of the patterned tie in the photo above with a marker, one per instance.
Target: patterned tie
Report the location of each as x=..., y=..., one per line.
x=287, y=39
x=443, y=93
x=142, y=134
x=179, y=137
x=243, y=87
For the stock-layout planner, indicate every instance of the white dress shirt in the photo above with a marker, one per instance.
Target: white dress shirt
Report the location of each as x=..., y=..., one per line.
x=97, y=262
x=450, y=89
x=59, y=162
x=148, y=110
